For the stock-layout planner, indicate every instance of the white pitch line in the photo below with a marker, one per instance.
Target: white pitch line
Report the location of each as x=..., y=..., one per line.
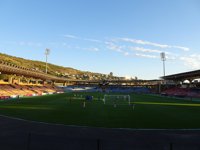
x=131, y=129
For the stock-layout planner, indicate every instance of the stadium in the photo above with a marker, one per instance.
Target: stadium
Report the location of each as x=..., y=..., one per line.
x=99, y=75
x=169, y=106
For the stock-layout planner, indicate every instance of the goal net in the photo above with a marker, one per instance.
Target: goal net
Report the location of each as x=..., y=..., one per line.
x=117, y=99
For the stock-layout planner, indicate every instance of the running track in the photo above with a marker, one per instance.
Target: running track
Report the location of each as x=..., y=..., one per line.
x=16, y=134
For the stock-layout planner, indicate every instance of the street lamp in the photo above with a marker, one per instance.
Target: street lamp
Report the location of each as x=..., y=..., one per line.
x=47, y=52
x=163, y=58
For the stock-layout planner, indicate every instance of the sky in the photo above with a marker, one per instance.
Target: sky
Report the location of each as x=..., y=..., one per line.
x=125, y=37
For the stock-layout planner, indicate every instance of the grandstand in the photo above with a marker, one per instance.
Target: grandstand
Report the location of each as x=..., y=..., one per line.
x=18, y=83
x=182, y=92
x=112, y=89
x=14, y=90
x=175, y=85
x=45, y=84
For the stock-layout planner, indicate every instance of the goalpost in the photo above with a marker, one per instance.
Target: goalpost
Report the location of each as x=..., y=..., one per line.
x=117, y=100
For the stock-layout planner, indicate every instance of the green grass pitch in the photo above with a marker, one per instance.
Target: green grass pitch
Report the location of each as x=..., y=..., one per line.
x=150, y=112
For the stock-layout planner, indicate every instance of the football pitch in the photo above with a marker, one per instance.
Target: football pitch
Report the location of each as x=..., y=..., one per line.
x=144, y=111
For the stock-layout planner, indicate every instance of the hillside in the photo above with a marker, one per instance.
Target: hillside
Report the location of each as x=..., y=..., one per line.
x=52, y=69
x=38, y=65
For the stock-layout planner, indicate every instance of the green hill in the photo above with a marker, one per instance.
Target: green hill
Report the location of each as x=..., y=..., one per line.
x=38, y=65
x=53, y=69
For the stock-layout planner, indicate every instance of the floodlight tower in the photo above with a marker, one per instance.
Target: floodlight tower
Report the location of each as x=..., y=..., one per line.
x=163, y=58
x=47, y=52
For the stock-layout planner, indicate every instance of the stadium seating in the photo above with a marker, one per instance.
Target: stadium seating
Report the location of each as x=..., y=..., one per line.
x=15, y=90
x=182, y=92
x=108, y=89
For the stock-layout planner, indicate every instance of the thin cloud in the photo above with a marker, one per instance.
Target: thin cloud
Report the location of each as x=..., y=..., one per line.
x=122, y=45
x=142, y=42
x=80, y=38
x=142, y=49
x=92, y=40
x=132, y=51
x=93, y=49
x=126, y=54
x=24, y=43
x=114, y=47
x=71, y=36
x=146, y=56
x=192, y=61
x=169, y=55
x=183, y=48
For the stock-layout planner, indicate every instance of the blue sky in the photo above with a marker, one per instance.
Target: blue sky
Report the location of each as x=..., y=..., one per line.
x=125, y=37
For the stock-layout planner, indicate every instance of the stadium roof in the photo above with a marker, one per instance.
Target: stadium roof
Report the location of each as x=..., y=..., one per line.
x=191, y=75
